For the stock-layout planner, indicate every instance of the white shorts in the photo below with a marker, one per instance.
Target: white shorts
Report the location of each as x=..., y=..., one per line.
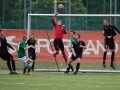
x=24, y=59
x=69, y=54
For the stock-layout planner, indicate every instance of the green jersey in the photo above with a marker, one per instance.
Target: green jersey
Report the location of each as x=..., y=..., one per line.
x=21, y=51
x=72, y=40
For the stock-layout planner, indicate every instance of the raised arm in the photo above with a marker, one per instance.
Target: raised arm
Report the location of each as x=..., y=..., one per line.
x=53, y=20
x=64, y=30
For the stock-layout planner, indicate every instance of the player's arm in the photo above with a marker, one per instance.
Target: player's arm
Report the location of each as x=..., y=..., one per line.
x=26, y=48
x=83, y=45
x=8, y=45
x=73, y=51
x=64, y=30
x=53, y=19
x=106, y=36
x=116, y=29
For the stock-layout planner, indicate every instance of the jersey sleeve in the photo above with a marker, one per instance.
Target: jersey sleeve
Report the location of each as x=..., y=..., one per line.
x=83, y=43
x=28, y=42
x=53, y=20
x=116, y=29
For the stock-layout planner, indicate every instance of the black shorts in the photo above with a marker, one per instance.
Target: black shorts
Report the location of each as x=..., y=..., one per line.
x=6, y=56
x=32, y=55
x=58, y=44
x=79, y=55
x=110, y=44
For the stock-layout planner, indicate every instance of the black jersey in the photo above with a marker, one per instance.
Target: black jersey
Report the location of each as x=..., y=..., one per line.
x=76, y=45
x=31, y=42
x=110, y=30
x=4, y=44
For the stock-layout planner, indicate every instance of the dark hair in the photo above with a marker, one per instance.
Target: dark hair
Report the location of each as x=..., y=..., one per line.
x=107, y=20
x=79, y=35
x=73, y=32
x=1, y=30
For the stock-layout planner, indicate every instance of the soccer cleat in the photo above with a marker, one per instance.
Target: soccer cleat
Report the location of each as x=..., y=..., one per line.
x=66, y=72
x=74, y=73
x=24, y=73
x=15, y=72
x=112, y=66
x=104, y=65
x=11, y=72
x=28, y=73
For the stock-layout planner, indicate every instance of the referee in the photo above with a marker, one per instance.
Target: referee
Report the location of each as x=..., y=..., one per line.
x=77, y=49
x=109, y=32
x=31, y=51
x=5, y=55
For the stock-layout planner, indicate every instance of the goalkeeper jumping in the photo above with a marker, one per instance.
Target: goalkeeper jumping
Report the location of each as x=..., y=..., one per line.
x=59, y=31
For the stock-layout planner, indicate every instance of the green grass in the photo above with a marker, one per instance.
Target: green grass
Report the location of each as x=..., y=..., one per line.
x=58, y=81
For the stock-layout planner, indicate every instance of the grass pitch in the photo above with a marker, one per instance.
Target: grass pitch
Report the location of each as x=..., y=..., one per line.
x=59, y=81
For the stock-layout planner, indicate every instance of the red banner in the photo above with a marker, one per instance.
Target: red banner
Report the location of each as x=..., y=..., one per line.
x=94, y=42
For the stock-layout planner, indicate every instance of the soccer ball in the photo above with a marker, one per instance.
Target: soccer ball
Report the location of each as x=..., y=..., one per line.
x=60, y=6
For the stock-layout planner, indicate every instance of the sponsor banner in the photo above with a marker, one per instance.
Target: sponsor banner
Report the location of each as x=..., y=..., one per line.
x=93, y=40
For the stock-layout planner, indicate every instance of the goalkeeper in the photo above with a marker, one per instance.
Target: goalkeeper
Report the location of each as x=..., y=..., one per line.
x=22, y=55
x=59, y=31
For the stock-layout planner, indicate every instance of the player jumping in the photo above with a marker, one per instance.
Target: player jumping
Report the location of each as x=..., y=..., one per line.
x=59, y=31
x=5, y=55
x=31, y=51
x=109, y=33
x=77, y=49
x=22, y=56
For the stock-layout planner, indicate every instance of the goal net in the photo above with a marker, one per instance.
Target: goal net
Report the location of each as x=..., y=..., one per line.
x=90, y=26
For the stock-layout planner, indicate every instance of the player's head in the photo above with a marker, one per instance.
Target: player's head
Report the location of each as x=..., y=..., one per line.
x=1, y=32
x=33, y=35
x=106, y=22
x=59, y=22
x=72, y=33
x=24, y=38
x=77, y=36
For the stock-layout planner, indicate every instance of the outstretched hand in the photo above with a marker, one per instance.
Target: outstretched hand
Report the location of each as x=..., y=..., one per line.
x=56, y=13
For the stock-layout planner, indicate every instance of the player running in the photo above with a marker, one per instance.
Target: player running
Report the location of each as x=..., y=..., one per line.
x=22, y=56
x=109, y=33
x=5, y=55
x=77, y=49
x=31, y=51
x=59, y=31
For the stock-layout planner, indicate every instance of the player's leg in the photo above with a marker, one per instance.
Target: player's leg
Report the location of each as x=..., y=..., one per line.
x=69, y=66
x=56, y=44
x=112, y=48
x=29, y=62
x=77, y=66
x=32, y=56
x=61, y=46
x=12, y=63
x=105, y=53
x=69, y=56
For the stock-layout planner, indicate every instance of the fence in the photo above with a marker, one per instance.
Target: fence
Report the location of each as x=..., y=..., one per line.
x=13, y=14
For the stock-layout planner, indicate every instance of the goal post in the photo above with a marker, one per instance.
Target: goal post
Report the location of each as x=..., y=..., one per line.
x=88, y=65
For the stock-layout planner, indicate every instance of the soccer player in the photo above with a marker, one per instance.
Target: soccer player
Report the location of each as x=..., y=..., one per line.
x=31, y=51
x=109, y=33
x=22, y=56
x=72, y=33
x=5, y=55
x=59, y=31
x=77, y=49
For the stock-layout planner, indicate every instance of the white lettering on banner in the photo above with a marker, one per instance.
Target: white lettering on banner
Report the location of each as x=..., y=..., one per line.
x=91, y=47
